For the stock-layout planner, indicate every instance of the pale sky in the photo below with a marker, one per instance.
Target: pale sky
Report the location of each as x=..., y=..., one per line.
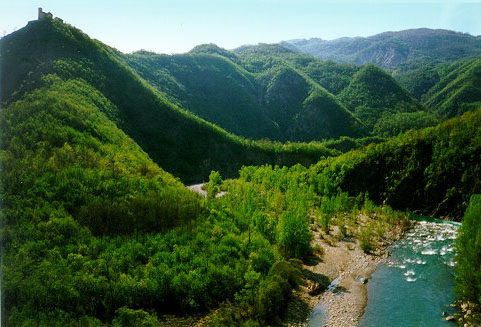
x=176, y=26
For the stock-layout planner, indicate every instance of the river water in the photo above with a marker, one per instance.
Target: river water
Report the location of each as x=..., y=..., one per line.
x=417, y=284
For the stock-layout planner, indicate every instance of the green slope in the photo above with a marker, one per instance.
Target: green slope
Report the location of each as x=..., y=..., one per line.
x=212, y=87
x=60, y=151
x=302, y=108
x=274, y=102
x=458, y=90
x=369, y=92
x=178, y=141
x=94, y=233
x=372, y=94
x=434, y=170
x=331, y=76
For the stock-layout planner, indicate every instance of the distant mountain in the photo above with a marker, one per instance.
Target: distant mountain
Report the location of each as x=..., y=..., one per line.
x=437, y=67
x=392, y=49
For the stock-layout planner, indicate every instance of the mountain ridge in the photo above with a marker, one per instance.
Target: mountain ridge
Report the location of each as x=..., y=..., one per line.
x=178, y=141
x=391, y=49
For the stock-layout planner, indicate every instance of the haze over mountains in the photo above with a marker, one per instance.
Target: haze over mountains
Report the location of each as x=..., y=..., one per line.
x=392, y=49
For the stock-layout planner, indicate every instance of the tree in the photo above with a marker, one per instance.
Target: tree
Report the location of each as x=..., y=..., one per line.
x=468, y=244
x=293, y=236
x=215, y=182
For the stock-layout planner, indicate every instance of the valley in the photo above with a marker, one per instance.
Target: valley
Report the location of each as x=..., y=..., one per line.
x=309, y=164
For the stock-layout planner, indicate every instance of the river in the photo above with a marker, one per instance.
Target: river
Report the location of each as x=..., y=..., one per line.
x=416, y=285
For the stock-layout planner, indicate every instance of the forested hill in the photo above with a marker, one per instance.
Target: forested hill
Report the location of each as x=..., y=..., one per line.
x=178, y=141
x=440, y=68
x=369, y=92
x=391, y=49
x=280, y=103
x=433, y=171
x=458, y=89
x=269, y=91
x=373, y=94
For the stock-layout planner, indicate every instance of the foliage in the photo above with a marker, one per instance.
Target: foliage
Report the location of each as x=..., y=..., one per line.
x=126, y=317
x=458, y=90
x=277, y=102
x=434, y=170
x=294, y=237
x=94, y=231
x=214, y=185
x=180, y=142
x=373, y=93
x=468, y=257
x=394, y=124
x=365, y=239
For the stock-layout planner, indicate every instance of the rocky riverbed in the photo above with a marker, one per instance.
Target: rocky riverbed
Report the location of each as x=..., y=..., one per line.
x=350, y=268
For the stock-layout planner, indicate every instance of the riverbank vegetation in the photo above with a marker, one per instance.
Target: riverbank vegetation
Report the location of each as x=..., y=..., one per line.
x=468, y=272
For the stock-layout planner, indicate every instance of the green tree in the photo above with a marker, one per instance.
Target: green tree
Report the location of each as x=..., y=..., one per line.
x=293, y=235
x=214, y=185
x=468, y=245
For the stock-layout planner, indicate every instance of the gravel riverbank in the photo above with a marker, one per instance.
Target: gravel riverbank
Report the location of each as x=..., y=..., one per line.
x=351, y=268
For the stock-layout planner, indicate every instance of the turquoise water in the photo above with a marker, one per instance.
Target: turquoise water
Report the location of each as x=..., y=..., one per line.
x=416, y=285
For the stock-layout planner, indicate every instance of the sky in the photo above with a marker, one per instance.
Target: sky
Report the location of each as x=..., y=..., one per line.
x=176, y=26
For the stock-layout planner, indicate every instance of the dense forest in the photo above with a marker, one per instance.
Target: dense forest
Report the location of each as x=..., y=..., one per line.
x=98, y=228
x=180, y=142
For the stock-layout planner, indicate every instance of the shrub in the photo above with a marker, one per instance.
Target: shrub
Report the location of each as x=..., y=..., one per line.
x=324, y=222
x=318, y=249
x=366, y=239
x=126, y=317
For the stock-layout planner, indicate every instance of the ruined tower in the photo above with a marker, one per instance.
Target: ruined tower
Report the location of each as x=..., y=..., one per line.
x=44, y=15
